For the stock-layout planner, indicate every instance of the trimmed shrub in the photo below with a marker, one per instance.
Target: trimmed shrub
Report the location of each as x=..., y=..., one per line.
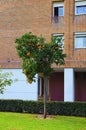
x=33, y=107
x=67, y=108
x=53, y=107
x=11, y=105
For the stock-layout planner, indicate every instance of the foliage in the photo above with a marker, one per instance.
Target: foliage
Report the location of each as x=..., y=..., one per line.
x=5, y=79
x=53, y=108
x=38, y=56
x=11, y=105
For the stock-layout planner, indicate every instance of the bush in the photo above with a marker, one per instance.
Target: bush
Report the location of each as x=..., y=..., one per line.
x=33, y=107
x=11, y=105
x=53, y=107
x=67, y=108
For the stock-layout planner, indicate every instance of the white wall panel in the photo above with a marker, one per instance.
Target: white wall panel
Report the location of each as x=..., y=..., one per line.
x=69, y=85
x=20, y=89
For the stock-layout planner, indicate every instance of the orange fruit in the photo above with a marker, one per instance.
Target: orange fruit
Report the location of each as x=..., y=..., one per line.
x=38, y=44
x=56, y=47
x=29, y=44
x=28, y=54
x=28, y=75
x=40, y=47
x=29, y=81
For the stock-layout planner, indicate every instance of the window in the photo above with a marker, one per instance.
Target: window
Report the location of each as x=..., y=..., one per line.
x=80, y=40
x=58, y=9
x=80, y=7
x=60, y=36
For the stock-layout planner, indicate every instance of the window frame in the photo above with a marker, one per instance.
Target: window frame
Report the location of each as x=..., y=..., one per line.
x=79, y=4
x=61, y=35
x=79, y=35
x=58, y=5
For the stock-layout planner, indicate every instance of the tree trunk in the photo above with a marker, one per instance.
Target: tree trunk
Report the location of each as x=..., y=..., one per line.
x=45, y=95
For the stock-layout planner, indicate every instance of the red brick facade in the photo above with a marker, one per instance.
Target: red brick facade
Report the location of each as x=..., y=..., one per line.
x=20, y=16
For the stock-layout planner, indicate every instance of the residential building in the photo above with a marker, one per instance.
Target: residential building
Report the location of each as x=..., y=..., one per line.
x=65, y=18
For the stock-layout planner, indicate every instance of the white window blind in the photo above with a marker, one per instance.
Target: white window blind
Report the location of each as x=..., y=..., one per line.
x=80, y=7
x=80, y=40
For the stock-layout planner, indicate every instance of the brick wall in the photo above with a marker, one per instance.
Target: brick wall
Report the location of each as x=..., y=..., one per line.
x=20, y=16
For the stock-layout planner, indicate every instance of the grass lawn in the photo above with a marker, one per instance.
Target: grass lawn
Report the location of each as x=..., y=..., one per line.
x=17, y=121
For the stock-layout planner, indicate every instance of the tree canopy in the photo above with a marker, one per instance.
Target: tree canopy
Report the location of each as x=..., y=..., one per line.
x=38, y=56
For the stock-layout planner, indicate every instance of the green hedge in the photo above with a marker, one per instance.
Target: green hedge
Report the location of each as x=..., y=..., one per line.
x=11, y=105
x=67, y=108
x=53, y=108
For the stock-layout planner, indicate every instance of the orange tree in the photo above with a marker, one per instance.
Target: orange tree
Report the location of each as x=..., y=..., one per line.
x=38, y=56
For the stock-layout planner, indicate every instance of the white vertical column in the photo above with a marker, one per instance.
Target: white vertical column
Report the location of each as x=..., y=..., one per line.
x=69, y=85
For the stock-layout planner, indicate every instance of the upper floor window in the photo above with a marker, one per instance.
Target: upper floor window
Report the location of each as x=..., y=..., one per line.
x=58, y=9
x=80, y=40
x=61, y=36
x=80, y=7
